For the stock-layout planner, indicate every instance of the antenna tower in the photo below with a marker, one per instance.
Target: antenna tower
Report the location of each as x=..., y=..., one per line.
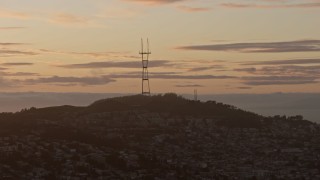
x=196, y=95
x=145, y=74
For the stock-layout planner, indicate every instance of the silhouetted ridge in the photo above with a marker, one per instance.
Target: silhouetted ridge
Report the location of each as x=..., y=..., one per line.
x=107, y=105
x=170, y=104
x=178, y=106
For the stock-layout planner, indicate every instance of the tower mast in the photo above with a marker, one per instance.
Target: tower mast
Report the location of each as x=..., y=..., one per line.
x=145, y=74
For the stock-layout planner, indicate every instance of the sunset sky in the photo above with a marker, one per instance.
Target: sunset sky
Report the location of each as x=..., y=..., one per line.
x=215, y=46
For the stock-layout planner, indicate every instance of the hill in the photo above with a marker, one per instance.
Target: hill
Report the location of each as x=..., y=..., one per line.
x=171, y=104
x=155, y=137
x=178, y=106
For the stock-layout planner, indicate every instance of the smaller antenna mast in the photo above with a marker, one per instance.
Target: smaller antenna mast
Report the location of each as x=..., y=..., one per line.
x=196, y=95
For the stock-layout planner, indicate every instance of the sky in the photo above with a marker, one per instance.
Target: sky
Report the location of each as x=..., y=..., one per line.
x=215, y=46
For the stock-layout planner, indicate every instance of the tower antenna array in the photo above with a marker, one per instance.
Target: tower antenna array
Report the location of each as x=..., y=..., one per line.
x=145, y=74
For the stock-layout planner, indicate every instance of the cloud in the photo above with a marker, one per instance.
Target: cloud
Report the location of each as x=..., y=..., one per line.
x=155, y=2
x=15, y=74
x=58, y=80
x=244, y=87
x=191, y=77
x=193, y=9
x=278, y=80
x=196, y=69
x=12, y=28
x=92, y=54
x=118, y=64
x=5, y=13
x=169, y=75
x=281, y=75
x=66, y=18
x=280, y=62
x=11, y=44
x=5, y=83
x=8, y=53
x=271, y=6
x=62, y=18
x=310, y=71
x=118, y=13
x=9, y=49
x=17, y=64
x=248, y=70
x=18, y=74
x=189, y=85
x=261, y=47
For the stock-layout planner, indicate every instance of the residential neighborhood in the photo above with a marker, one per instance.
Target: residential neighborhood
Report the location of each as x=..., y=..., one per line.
x=141, y=144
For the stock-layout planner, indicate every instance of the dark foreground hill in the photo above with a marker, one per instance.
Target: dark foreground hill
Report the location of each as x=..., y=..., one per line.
x=155, y=137
x=172, y=104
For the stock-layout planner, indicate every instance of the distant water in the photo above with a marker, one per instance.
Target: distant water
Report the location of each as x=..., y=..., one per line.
x=306, y=104
x=12, y=102
x=290, y=104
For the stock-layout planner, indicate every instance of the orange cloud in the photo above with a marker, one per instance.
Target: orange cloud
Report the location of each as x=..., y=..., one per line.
x=193, y=9
x=108, y=54
x=65, y=18
x=4, y=13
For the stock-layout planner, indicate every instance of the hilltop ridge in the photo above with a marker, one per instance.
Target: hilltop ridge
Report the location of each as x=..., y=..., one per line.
x=178, y=106
x=173, y=104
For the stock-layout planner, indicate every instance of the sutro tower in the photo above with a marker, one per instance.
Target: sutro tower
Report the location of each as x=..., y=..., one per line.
x=145, y=62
